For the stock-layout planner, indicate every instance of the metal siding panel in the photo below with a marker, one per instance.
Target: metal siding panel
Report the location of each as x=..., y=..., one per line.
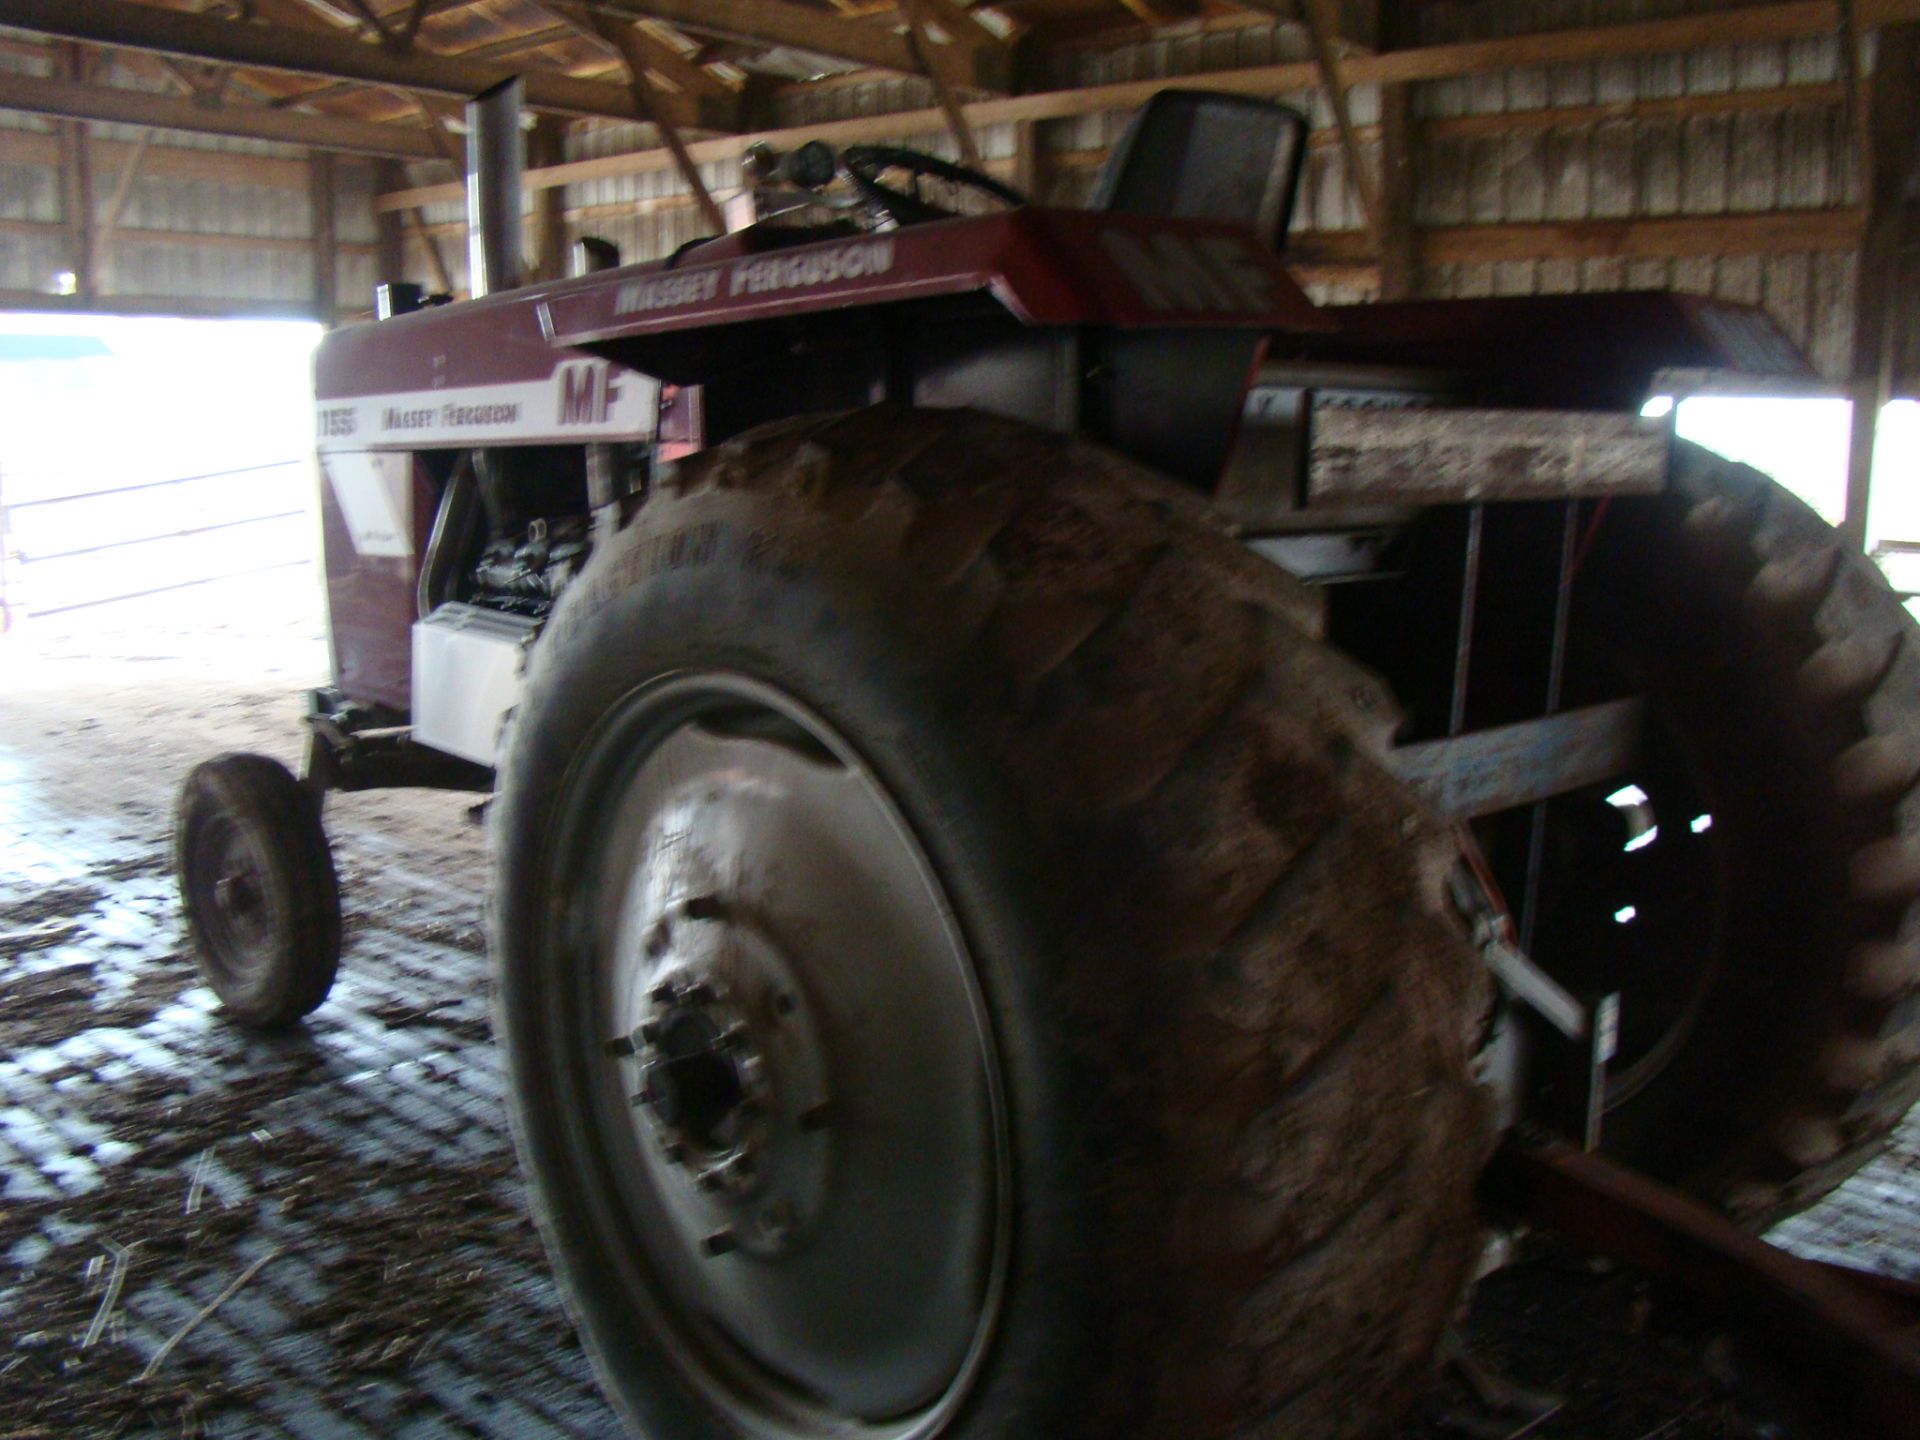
x=1703, y=165
x=1784, y=290
x=1754, y=184
x=1659, y=166
x=1484, y=173
x=1523, y=167
x=1440, y=197
x=1741, y=278
x=1567, y=172
x=1830, y=346
x=1613, y=192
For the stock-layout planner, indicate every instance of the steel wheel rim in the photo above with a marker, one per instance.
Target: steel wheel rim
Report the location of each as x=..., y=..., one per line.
x=787, y=1093
x=1676, y=793
x=233, y=897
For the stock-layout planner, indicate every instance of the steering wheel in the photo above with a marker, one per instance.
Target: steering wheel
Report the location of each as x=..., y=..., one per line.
x=867, y=163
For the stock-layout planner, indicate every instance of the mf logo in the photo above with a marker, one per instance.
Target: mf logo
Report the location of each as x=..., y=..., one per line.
x=1192, y=273
x=588, y=391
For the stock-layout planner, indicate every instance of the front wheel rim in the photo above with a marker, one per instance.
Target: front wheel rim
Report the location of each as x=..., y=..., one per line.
x=786, y=1125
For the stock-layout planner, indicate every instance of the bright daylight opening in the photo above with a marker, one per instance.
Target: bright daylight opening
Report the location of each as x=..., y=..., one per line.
x=157, y=491
x=1632, y=803
x=1803, y=444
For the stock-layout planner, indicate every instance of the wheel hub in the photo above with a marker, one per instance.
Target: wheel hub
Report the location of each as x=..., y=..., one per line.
x=237, y=894
x=794, y=1112
x=731, y=1080
x=705, y=1082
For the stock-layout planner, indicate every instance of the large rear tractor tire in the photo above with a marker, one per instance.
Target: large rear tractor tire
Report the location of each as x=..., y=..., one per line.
x=962, y=969
x=1776, y=903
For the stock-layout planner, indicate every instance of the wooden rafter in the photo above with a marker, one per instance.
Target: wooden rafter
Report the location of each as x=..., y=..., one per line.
x=309, y=52
x=1788, y=21
x=673, y=65
x=508, y=49
x=435, y=260
x=775, y=23
x=1322, y=22
x=122, y=192
x=946, y=69
x=625, y=38
x=35, y=95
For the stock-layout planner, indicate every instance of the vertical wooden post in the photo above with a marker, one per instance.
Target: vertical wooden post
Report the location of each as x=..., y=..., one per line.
x=550, y=202
x=1893, y=116
x=1029, y=161
x=1399, y=255
x=76, y=187
x=1398, y=260
x=391, y=260
x=326, y=249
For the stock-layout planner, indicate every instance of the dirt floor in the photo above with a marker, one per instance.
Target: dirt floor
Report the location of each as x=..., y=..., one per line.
x=323, y=1235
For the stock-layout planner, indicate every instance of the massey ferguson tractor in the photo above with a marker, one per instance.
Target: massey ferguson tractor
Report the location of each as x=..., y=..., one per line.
x=1054, y=800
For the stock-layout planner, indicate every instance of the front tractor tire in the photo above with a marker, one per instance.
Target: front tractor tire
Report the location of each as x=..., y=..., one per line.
x=962, y=969
x=258, y=888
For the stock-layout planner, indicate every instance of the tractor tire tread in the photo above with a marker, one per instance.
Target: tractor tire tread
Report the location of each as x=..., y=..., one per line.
x=1173, y=733
x=1854, y=649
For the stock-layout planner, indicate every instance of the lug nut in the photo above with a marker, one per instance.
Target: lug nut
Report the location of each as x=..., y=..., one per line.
x=719, y=1243
x=620, y=1046
x=663, y=993
x=650, y=1032
x=658, y=938
x=675, y=1152
x=776, y=1221
x=699, y=993
x=708, y=1180
x=703, y=907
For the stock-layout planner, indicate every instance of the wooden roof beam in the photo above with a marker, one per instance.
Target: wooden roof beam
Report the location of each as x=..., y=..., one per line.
x=328, y=56
x=1773, y=22
x=944, y=63
x=625, y=38
x=492, y=50
x=72, y=100
x=797, y=27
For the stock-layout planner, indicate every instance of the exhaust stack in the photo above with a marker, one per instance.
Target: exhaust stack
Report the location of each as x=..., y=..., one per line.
x=495, y=156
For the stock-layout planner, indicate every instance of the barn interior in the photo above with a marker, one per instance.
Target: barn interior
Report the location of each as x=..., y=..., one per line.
x=322, y=1233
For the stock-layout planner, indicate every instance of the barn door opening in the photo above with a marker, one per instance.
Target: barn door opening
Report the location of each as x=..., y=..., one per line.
x=156, y=487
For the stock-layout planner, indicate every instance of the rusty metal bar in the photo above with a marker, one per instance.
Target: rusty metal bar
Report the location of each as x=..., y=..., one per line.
x=1840, y=1341
x=1469, y=606
x=1556, y=677
x=166, y=589
x=26, y=559
x=152, y=484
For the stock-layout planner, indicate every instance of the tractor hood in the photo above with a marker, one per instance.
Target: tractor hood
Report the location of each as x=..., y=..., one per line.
x=519, y=367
